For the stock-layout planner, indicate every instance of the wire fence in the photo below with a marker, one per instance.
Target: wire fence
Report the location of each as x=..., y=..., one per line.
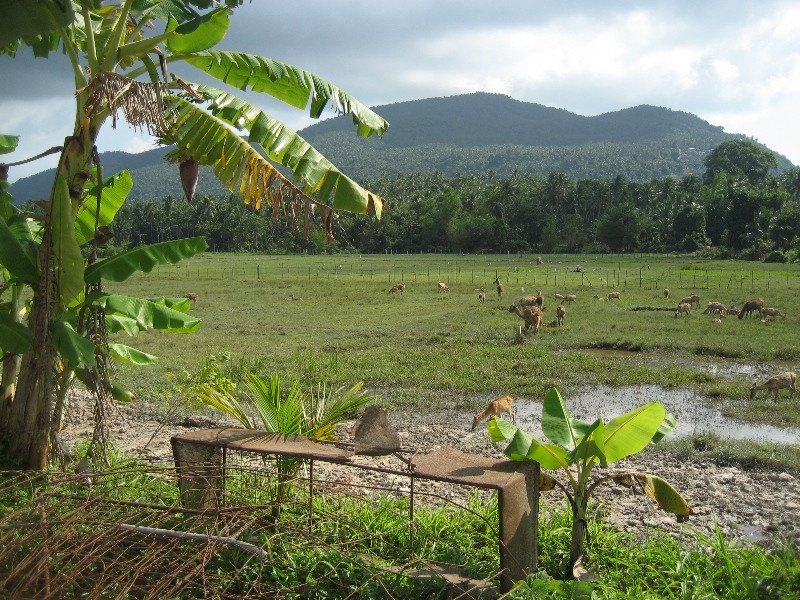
x=125, y=534
x=554, y=276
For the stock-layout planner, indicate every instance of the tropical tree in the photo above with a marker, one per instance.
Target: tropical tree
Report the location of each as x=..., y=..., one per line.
x=79, y=329
x=740, y=157
x=120, y=54
x=578, y=447
x=619, y=228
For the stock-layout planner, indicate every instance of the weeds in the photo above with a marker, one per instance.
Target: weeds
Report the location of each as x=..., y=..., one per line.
x=746, y=455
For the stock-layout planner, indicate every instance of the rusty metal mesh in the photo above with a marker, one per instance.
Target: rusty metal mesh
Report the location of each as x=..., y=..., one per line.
x=123, y=534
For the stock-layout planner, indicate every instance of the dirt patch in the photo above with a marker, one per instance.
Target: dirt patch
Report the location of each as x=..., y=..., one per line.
x=753, y=506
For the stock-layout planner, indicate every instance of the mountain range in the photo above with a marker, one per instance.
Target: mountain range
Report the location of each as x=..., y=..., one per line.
x=471, y=133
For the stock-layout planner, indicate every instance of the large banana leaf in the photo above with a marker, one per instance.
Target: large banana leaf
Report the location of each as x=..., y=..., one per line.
x=115, y=190
x=524, y=446
x=116, y=323
x=180, y=304
x=182, y=10
x=71, y=345
x=297, y=87
x=27, y=19
x=130, y=356
x=629, y=433
x=144, y=258
x=18, y=253
x=559, y=425
x=14, y=337
x=69, y=260
x=147, y=315
x=200, y=33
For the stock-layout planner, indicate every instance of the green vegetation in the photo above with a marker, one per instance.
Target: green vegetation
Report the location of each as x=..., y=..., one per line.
x=578, y=446
x=426, y=346
x=359, y=547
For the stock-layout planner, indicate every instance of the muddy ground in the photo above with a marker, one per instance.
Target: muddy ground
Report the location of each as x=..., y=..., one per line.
x=755, y=506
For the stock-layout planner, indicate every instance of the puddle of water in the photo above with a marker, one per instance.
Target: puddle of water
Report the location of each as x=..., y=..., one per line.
x=755, y=535
x=713, y=366
x=695, y=416
x=612, y=352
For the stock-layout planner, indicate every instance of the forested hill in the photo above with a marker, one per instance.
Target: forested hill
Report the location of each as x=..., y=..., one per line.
x=472, y=134
x=480, y=132
x=482, y=119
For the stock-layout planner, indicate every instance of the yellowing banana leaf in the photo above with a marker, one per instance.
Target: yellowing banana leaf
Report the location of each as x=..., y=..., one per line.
x=144, y=258
x=211, y=141
x=663, y=494
x=546, y=483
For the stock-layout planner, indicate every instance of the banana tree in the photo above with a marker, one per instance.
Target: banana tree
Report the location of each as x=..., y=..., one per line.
x=120, y=55
x=79, y=332
x=578, y=447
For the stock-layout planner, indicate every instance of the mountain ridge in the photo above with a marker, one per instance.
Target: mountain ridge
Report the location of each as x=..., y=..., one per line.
x=471, y=133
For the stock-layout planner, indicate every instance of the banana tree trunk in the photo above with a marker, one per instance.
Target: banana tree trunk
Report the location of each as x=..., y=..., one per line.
x=577, y=543
x=29, y=422
x=30, y=418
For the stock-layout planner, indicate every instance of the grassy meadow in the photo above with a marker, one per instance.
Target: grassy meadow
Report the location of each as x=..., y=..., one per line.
x=423, y=350
x=427, y=347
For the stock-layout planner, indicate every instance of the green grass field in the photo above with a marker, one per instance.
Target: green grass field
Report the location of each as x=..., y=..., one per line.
x=427, y=345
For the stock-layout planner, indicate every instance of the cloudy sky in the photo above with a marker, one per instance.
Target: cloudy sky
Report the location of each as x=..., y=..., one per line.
x=734, y=63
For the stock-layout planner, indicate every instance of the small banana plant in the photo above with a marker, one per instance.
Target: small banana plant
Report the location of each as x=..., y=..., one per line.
x=577, y=447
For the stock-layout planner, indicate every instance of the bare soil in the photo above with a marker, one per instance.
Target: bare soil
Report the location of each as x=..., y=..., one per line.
x=761, y=507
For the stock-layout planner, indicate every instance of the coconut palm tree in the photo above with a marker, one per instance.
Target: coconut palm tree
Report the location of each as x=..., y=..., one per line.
x=121, y=54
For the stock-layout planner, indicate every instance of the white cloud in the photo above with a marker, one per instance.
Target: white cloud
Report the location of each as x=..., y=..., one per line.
x=732, y=62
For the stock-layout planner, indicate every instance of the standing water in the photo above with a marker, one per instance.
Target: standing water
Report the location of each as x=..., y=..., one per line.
x=693, y=413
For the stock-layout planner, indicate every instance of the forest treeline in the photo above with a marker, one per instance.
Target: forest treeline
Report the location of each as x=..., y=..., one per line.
x=737, y=209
